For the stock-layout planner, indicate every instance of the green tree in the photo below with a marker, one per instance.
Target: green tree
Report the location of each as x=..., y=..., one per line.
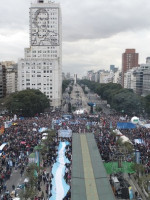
x=139, y=168
x=27, y=102
x=119, y=98
x=128, y=101
x=65, y=84
x=98, y=108
x=47, y=143
x=30, y=190
x=147, y=104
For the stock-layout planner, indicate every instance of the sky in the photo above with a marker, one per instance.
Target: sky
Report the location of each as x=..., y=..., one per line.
x=94, y=33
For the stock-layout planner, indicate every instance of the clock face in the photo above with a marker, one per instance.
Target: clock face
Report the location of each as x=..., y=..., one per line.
x=44, y=27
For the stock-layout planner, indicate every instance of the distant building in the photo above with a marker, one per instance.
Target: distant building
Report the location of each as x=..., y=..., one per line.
x=148, y=60
x=117, y=77
x=138, y=79
x=68, y=76
x=8, y=63
x=11, y=78
x=2, y=81
x=146, y=83
x=106, y=77
x=130, y=80
x=113, y=68
x=90, y=75
x=129, y=61
x=146, y=78
x=63, y=76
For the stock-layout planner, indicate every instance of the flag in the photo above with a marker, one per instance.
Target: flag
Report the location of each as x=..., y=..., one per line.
x=1, y=130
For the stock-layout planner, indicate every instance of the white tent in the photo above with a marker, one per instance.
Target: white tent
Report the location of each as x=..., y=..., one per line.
x=44, y=137
x=78, y=112
x=44, y=134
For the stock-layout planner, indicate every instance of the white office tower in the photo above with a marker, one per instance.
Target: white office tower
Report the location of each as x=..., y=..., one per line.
x=42, y=66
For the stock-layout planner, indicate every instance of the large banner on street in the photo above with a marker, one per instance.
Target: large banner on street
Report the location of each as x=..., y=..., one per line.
x=65, y=133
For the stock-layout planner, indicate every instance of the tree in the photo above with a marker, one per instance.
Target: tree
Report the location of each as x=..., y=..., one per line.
x=139, y=168
x=47, y=144
x=65, y=84
x=27, y=102
x=147, y=104
x=30, y=189
x=128, y=101
x=119, y=98
x=98, y=108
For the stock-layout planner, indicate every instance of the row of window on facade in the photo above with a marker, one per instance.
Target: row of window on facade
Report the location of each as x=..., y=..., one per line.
x=38, y=66
x=44, y=55
x=45, y=88
x=32, y=71
x=40, y=51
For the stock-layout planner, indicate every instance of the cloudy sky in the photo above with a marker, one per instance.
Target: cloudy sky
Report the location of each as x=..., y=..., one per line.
x=95, y=32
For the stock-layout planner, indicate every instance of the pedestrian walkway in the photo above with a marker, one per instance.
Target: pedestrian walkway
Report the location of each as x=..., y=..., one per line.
x=89, y=178
x=90, y=184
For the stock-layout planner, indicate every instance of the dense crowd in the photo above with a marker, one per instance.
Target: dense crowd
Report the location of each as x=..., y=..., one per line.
x=23, y=135
x=21, y=138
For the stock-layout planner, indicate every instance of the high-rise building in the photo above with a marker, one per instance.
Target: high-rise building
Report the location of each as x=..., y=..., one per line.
x=42, y=66
x=11, y=78
x=148, y=60
x=2, y=81
x=113, y=68
x=138, y=79
x=129, y=60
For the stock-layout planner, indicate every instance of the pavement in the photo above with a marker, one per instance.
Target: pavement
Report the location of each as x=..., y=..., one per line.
x=79, y=96
x=16, y=179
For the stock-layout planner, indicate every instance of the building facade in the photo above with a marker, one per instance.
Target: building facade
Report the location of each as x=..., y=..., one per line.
x=2, y=81
x=41, y=67
x=138, y=79
x=130, y=80
x=129, y=61
x=11, y=78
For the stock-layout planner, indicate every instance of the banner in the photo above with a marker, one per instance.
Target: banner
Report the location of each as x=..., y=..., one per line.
x=2, y=130
x=137, y=156
x=65, y=133
x=7, y=124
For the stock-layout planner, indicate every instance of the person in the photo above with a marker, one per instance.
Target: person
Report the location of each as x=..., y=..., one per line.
x=35, y=198
x=13, y=187
x=136, y=194
x=21, y=172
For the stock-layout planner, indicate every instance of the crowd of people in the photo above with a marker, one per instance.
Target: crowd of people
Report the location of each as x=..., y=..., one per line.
x=23, y=136
x=20, y=138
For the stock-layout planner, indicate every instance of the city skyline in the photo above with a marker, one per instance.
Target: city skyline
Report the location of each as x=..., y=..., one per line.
x=95, y=33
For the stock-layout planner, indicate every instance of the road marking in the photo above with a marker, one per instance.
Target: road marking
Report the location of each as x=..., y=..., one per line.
x=90, y=185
